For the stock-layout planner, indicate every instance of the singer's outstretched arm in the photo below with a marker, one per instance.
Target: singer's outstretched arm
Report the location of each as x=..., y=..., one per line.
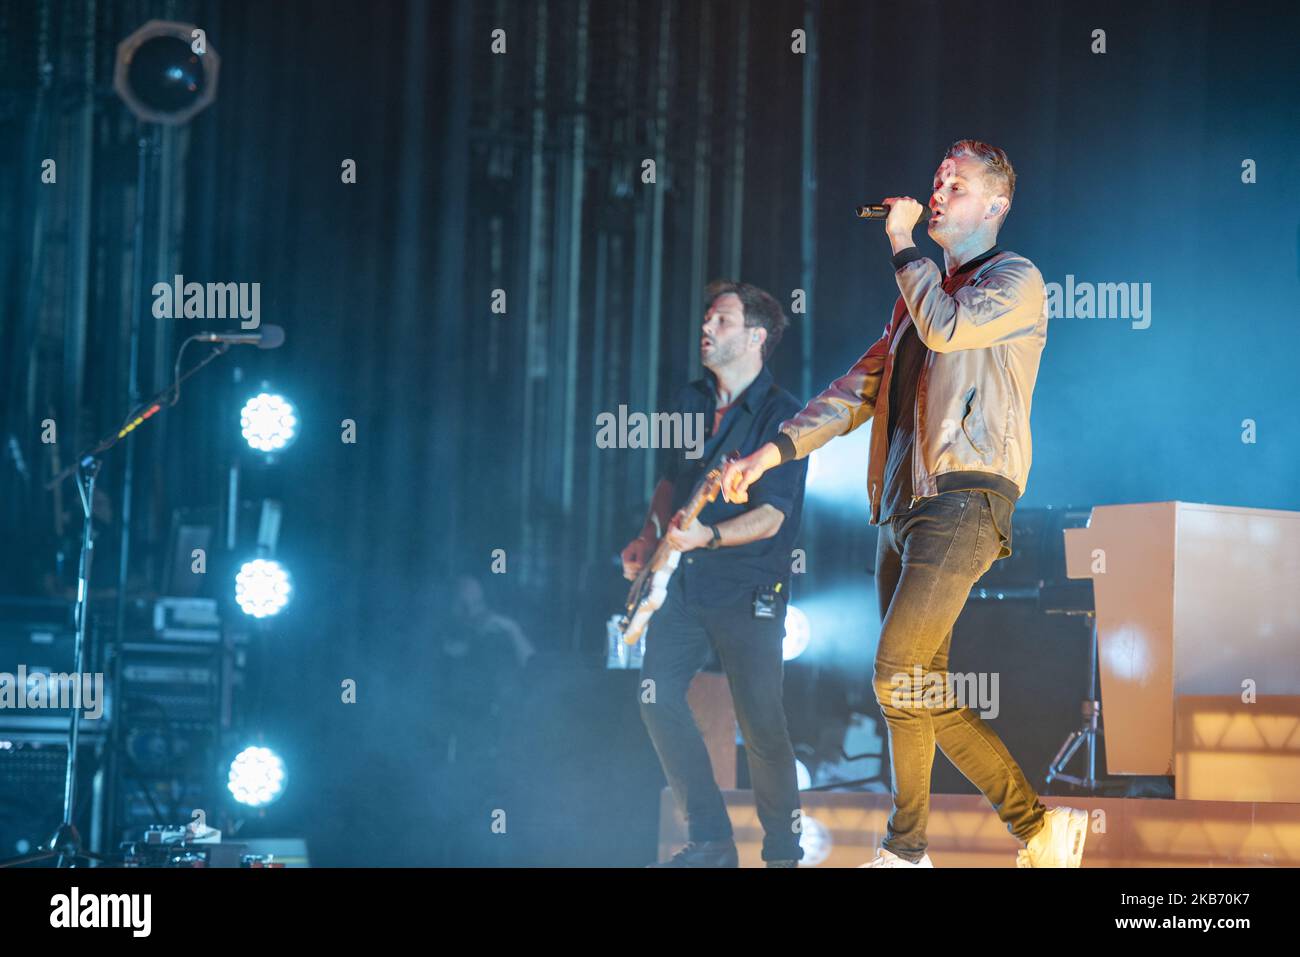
x=844, y=405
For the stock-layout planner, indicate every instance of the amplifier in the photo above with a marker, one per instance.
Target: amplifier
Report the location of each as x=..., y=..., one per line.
x=177, y=698
x=187, y=619
x=1037, y=554
x=177, y=684
x=32, y=771
x=37, y=656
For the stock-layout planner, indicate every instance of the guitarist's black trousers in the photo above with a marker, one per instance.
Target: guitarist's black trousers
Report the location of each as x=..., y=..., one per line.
x=678, y=644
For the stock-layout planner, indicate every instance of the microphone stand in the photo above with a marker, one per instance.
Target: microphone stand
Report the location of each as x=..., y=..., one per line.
x=65, y=844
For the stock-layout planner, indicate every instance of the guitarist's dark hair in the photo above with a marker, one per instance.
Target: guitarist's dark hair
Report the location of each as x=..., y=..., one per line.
x=760, y=309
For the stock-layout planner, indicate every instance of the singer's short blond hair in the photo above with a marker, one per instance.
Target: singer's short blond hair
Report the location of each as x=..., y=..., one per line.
x=999, y=175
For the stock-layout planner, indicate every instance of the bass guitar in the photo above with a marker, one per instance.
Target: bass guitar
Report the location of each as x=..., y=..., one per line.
x=651, y=584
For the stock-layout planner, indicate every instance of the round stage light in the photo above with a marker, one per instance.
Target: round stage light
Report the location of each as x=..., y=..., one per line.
x=268, y=422
x=257, y=777
x=262, y=588
x=815, y=839
x=797, y=634
x=803, y=779
x=166, y=72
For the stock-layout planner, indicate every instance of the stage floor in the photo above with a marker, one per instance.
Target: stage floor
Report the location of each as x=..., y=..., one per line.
x=844, y=829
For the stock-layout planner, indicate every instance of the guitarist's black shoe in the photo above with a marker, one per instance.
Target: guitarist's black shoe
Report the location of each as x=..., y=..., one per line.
x=704, y=854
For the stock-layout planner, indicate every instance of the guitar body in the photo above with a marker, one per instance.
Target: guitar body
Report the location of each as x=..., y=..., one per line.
x=651, y=585
x=652, y=600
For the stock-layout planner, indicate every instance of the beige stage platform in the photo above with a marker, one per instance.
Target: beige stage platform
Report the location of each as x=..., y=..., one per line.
x=846, y=828
x=1198, y=624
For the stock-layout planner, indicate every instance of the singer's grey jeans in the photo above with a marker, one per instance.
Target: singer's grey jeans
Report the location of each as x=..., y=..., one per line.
x=927, y=560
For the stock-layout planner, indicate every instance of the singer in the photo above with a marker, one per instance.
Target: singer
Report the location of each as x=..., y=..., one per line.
x=947, y=388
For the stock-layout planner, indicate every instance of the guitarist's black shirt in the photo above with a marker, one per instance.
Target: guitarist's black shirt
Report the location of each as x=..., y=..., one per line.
x=729, y=575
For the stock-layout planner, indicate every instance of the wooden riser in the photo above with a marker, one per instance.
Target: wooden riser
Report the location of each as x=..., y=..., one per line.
x=964, y=831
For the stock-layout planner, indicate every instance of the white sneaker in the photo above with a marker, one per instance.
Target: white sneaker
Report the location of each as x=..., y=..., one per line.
x=1059, y=843
x=886, y=858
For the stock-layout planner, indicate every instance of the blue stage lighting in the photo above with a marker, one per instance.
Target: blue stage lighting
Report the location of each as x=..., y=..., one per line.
x=797, y=633
x=268, y=422
x=257, y=777
x=262, y=588
x=802, y=778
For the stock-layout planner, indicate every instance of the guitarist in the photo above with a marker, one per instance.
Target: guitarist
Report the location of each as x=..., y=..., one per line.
x=729, y=592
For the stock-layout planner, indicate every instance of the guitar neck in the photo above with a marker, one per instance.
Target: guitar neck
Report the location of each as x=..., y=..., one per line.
x=640, y=602
x=705, y=492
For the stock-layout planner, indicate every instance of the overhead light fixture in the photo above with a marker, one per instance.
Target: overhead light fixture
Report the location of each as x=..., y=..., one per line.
x=161, y=77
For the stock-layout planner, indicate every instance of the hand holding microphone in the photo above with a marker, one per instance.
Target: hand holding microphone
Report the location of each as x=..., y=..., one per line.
x=881, y=211
x=903, y=214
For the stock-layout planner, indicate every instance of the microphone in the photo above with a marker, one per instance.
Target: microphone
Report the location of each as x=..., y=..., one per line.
x=271, y=337
x=880, y=211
